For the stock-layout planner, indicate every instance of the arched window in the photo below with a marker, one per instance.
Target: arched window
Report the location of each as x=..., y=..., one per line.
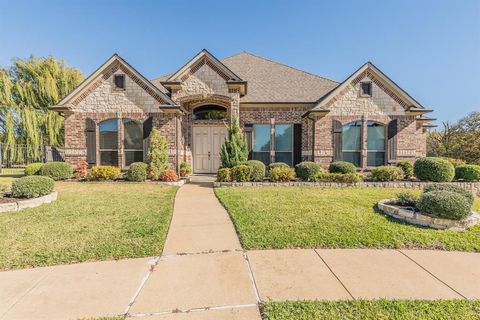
x=108, y=131
x=375, y=144
x=209, y=112
x=351, y=142
x=133, y=141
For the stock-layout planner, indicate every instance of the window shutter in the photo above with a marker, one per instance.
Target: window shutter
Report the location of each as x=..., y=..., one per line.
x=392, y=140
x=337, y=141
x=249, y=139
x=297, y=143
x=147, y=129
x=91, y=141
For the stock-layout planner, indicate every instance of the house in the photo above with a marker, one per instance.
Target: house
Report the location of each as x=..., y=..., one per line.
x=287, y=115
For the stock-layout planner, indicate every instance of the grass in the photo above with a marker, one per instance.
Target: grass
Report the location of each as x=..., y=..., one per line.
x=89, y=221
x=373, y=310
x=7, y=176
x=305, y=217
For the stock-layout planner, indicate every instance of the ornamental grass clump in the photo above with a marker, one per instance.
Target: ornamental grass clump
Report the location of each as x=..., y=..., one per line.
x=467, y=172
x=444, y=204
x=242, y=173
x=137, y=172
x=434, y=169
x=33, y=169
x=32, y=187
x=342, y=167
x=308, y=171
x=386, y=173
x=57, y=170
x=258, y=169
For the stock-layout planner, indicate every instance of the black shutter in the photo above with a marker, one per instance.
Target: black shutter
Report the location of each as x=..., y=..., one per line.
x=392, y=140
x=91, y=141
x=337, y=141
x=147, y=128
x=297, y=143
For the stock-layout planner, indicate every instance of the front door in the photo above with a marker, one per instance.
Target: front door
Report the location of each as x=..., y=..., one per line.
x=207, y=142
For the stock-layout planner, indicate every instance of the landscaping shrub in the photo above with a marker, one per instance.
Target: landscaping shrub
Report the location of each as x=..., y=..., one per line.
x=342, y=167
x=242, y=173
x=169, y=175
x=387, y=173
x=276, y=165
x=185, y=169
x=451, y=188
x=157, y=154
x=3, y=188
x=467, y=172
x=406, y=198
x=434, y=169
x=407, y=168
x=137, y=171
x=308, y=171
x=282, y=174
x=103, y=173
x=234, y=149
x=81, y=170
x=32, y=187
x=57, y=170
x=340, y=177
x=258, y=169
x=224, y=175
x=33, y=169
x=444, y=204
x=453, y=161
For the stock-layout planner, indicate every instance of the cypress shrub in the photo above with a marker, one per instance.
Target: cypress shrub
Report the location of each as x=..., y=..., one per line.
x=157, y=154
x=234, y=149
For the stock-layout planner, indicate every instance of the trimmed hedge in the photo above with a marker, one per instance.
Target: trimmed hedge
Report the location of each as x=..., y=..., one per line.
x=434, y=169
x=258, y=169
x=137, y=171
x=242, y=173
x=342, y=167
x=444, y=204
x=467, y=172
x=282, y=174
x=103, y=173
x=407, y=168
x=32, y=187
x=308, y=171
x=387, y=173
x=451, y=188
x=340, y=177
x=224, y=175
x=34, y=169
x=276, y=165
x=57, y=170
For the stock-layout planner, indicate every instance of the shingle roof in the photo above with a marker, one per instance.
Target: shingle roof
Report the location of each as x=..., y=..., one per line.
x=270, y=81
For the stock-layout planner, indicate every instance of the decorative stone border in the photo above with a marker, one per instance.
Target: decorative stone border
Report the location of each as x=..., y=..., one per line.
x=21, y=204
x=414, y=217
x=471, y=186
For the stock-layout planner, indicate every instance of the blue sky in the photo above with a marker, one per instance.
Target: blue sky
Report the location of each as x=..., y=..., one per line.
x=431, y=48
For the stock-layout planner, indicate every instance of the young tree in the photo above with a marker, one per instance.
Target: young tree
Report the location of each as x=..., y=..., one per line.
x=157, y=154
x=234, y=150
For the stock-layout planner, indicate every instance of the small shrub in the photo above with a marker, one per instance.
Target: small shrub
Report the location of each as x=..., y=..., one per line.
x=387, y=173
x=453, y=161
x=224, y=175
x=32, y=187
x=185, y=169
x=157, y=154
x=57, y=170
x=407, y=168
x=434, y=169
x=258, y=169
x=276, y=165
x=33, y=169
x=137, y=171
x=169, y=175
x=103, y=173
x=282, y=174
x=340, y=177
x=234, y=149
x=242, y=173
x=308, y=171
x=444, y=204
x=81, y=170
x=342, y=167
x=407, y=199
x=451, y=188
x=467, y=172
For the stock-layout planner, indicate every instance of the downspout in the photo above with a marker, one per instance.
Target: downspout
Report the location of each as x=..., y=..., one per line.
x=177, y=164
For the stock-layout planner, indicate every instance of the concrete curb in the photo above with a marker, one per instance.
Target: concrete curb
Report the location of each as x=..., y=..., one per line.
x=28, y=203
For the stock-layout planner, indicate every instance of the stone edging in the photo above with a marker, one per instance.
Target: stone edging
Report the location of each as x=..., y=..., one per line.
x=21, y=204
x=471, y=186
x=414, y=217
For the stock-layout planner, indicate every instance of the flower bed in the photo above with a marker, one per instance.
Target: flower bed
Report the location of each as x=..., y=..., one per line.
x=20, y=204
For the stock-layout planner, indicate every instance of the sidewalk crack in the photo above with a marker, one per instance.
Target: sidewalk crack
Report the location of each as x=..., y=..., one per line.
x=334, y=274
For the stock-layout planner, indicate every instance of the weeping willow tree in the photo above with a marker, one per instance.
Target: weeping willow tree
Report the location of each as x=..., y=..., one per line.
x=27, y=89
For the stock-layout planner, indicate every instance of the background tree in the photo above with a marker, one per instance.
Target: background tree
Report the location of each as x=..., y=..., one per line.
x=27, y=89
x=157, y=154
x=234, y=149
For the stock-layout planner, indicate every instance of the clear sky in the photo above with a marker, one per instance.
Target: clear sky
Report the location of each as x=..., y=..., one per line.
x=431, y=48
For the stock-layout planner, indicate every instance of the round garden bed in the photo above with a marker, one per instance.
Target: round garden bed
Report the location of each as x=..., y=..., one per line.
x=14, y=204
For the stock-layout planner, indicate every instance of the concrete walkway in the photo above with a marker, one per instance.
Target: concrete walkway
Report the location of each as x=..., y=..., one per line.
x=204, y=274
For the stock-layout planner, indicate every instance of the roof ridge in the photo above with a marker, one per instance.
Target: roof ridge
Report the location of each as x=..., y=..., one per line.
x=282, y=64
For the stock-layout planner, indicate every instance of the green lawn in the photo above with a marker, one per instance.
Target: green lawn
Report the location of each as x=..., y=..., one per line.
x=373, y=310
x=7, y=176
x=304, y=217
x=89, y=221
